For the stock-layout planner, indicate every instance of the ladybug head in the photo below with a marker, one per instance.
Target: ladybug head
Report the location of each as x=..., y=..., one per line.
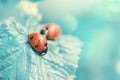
x=51, y=31
x=44, y=31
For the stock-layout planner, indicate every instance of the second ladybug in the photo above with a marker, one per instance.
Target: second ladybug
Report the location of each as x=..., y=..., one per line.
x=51, y=31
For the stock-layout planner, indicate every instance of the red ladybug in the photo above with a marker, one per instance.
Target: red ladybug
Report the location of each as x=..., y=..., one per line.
x=38, y=43
x=51, y=31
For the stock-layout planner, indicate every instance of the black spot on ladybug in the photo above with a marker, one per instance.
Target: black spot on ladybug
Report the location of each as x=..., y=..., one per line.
x=36, y=46
x=31, y=37
x=46, y=28
x=46, y=44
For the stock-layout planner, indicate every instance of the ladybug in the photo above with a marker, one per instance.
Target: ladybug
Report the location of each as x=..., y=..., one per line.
x=38, y=42
x=51, y=31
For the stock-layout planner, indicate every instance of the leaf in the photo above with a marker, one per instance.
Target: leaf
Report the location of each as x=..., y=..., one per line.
x=19, y=62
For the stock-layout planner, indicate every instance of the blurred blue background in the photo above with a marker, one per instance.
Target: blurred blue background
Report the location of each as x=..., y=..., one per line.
x=94, y=22
x=97, y=24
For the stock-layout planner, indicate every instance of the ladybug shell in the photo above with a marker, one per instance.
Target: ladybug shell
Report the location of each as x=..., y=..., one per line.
x=53, y=30
x=38, y=42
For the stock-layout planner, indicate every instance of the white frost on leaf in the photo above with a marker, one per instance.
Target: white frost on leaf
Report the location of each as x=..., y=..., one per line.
x=19, y=62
